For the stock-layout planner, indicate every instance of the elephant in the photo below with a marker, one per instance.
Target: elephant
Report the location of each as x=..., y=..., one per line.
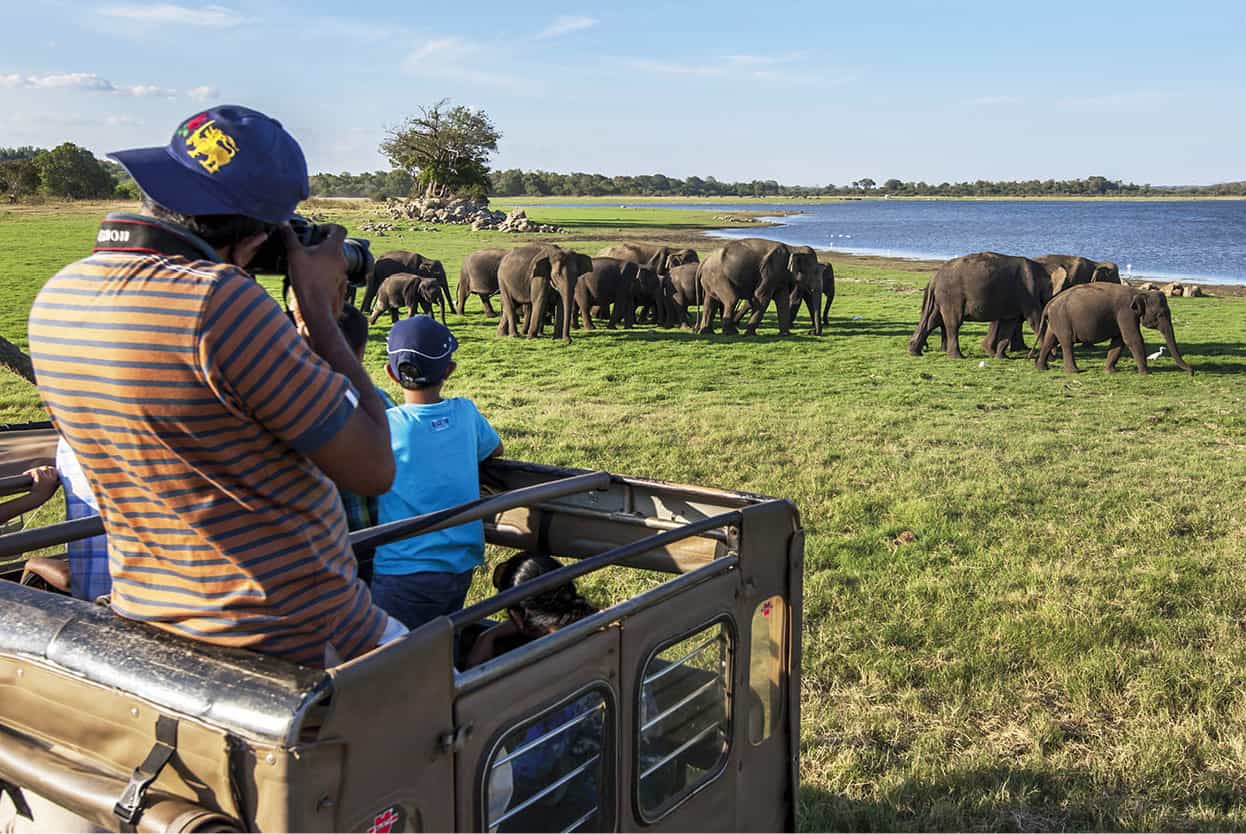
x=648, y=302
x=754, y=270
x=812, y=297
x=1102, y=311
x=681, y=288
x=404, y=289
x=608, y=289
x=479, y=275
x=400, y=261
x=656, y=256
x=1066, y=271
x=985, y=286
x=529, y=275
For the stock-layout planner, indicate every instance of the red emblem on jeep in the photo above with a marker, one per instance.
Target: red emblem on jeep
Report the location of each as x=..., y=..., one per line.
x=385, y=821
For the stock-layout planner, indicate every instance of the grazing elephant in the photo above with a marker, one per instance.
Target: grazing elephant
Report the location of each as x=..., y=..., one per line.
x=985, y=286
x=400, y=261
x=681, y=288
x=531, y=275
x=479, y=275
x=812, y=296
x=656, y=256
x=404, y=289
x=1103, y=311
x=607, y=289
x=1066, y=271
x=755, y=271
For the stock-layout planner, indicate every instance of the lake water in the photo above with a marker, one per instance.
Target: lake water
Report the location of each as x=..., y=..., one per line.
x=1200, y=240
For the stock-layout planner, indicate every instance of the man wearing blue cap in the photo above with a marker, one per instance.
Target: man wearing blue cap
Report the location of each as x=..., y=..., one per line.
x=438, y=448
x=211, y=434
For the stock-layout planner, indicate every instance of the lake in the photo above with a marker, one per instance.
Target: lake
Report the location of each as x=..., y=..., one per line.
x=1192, y=240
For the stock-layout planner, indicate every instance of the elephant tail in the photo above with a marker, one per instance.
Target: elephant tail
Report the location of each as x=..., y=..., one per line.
x=1038, y=335
x=927, y=321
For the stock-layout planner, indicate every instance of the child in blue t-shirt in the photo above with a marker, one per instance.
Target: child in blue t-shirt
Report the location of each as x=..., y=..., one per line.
x=438, y=447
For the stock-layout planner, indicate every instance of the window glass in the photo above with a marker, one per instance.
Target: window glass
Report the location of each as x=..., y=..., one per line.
x=551, y=773
x=765, y=669
x=684, y=718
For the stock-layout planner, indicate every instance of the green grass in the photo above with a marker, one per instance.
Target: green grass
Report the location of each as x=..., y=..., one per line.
x=1062, y=646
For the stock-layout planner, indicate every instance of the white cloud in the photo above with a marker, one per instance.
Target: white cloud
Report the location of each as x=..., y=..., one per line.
x=91, y=83
x=456, y=59
x=168, y=13
x=122, y=121
x=204, y=93
x=565, y=25
x=786, y=68
x=148, y=91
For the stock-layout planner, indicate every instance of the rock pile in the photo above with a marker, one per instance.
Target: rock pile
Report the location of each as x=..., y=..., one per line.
x=734, y=218
x=1174, y=289
x=464, y=212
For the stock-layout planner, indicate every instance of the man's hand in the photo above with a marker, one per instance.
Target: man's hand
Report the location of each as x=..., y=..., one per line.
x=44, y=482
x=317, y=275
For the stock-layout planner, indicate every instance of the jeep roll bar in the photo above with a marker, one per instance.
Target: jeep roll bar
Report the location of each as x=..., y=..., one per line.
x=23, y=541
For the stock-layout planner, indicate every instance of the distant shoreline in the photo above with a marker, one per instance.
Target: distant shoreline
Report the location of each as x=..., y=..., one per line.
x=621, y=201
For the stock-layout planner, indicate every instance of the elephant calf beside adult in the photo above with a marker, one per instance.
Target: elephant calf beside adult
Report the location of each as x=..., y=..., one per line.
x=398, y=261
x=825, y=293
x=403, y=289
x=610, y=288
x=681, y=289
x=1101, y=312
x=1065, y=271
x=532, y=276
x=754, y=270
x=479, y=276
x=985, y=286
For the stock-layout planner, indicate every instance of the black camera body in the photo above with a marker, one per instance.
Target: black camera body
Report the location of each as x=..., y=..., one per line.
x=270, y=258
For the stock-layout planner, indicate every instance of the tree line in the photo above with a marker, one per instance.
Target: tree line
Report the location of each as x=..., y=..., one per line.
x=67, y=171
x=514, y=182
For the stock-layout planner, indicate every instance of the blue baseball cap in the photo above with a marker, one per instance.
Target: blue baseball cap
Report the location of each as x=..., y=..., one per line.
x=226, y=160
x=424, y=342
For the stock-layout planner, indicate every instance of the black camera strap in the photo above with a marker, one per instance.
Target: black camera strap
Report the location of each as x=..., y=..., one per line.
x=149, y=236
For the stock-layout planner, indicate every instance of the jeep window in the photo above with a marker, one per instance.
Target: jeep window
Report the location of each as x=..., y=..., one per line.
x=551, y=772
x=684, y=727
x=765, y=669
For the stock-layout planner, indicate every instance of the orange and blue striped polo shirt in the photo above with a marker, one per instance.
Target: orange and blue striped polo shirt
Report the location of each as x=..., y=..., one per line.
x=190, y=400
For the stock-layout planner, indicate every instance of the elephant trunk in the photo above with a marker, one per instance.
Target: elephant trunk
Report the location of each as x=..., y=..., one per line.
x=1170, y=339
x=815, y=310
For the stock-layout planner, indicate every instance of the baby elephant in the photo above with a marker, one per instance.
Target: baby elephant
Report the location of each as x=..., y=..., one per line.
x=405, y=289
x=1090, y=313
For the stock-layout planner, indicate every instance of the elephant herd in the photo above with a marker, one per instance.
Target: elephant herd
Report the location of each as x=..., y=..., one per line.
x=1066, y=299
x=623, y=285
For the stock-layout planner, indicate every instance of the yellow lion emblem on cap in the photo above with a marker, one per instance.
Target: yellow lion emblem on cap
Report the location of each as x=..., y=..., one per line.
x=211, y=147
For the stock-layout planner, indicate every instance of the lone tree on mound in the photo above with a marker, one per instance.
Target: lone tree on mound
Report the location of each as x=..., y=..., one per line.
x=446, y=149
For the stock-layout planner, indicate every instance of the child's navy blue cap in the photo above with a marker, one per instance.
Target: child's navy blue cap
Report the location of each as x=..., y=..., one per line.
x=424, y=342
x=226, y=160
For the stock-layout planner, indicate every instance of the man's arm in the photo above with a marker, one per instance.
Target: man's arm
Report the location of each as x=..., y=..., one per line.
x=358, y=457
x=43, y=484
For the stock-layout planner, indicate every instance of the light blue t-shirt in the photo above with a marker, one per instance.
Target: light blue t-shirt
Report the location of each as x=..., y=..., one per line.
x=437, y=449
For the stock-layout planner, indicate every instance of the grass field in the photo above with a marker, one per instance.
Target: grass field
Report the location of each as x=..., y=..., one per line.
x=1062, y=645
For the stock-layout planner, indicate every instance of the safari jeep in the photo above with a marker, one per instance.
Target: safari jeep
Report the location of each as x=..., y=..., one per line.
x=676, y=708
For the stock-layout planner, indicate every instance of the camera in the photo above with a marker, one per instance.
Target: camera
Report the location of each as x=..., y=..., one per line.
x=271, y=259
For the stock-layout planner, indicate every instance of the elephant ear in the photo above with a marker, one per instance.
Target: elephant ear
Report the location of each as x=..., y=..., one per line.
x=1059, y=279
x=1138, y=305
x=540, y=268
x=1105, y=273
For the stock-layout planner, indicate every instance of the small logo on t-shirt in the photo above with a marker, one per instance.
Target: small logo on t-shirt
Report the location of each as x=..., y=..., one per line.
x=440, y=423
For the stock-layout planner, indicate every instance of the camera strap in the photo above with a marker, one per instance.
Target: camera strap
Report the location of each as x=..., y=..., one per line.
x=149, y=236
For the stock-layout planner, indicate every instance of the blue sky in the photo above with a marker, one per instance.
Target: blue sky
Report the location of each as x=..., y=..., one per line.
x=805, y=93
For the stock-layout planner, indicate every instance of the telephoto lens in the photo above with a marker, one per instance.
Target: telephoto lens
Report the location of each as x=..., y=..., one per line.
x=270, y=259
